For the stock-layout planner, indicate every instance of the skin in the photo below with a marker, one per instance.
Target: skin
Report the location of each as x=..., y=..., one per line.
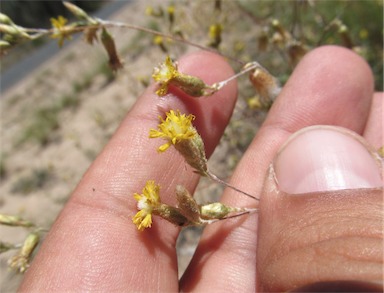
x=93, y=244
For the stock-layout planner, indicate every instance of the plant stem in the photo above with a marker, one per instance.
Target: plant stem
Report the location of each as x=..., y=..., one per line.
x=217, y=179
x=164, y=35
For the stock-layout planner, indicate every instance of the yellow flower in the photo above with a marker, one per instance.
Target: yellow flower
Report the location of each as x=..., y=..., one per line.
x=164, y=74
x=146, y=203
x=175, y=128
x=215, y=31
x=61, y=31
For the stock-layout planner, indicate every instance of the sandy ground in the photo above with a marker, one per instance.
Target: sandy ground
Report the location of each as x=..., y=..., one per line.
x=39, y=176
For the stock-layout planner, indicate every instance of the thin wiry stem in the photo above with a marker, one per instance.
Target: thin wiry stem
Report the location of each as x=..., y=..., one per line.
x=246, y=69
x=245, y=212
x=217, y=179
x=164, y=35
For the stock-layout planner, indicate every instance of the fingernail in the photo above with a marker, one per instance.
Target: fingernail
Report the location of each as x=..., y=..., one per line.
x=325, y=158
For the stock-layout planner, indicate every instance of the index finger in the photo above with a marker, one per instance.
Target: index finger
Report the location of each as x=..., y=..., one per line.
x=93, y=244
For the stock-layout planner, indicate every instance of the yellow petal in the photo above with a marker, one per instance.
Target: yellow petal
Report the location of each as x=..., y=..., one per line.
x=137, y=196
x=163, y=90
x=164, y=147
x=153, y=133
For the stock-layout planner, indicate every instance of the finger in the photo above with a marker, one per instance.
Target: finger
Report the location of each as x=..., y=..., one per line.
x=332, y=86
x=374, y=129
x=321, y=217
x=93, y=244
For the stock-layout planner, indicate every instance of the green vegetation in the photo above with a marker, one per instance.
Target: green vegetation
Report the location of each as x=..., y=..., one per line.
x=36, y=180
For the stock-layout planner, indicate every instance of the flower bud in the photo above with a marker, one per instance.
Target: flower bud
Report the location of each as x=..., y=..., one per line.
x=14, y=31
x=5, y=19
x=78, y=12
x=345, y=36
x=215, y=210
x=171, y=214
x=284, y=34
x=14, y=221
x=4, y=46
x=187, y=204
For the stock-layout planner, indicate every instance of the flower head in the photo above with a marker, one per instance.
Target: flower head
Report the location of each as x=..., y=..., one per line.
x=146, y=203
x=163, y=74
x=167, y=73
x=175, y=128
x=61, y=31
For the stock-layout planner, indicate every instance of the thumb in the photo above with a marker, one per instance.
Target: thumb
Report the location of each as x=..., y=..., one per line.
x=321, y=214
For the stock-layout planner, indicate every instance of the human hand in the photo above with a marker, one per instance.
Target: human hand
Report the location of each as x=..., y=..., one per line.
x=303, y=239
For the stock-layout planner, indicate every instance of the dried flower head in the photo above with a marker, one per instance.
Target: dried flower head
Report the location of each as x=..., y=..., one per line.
x=177, y=129
x=265, y=83
x=296, y=51
x=167, y=73
x=20, y=261
x=90, y=35
x=115, y=62
x=146, y=203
